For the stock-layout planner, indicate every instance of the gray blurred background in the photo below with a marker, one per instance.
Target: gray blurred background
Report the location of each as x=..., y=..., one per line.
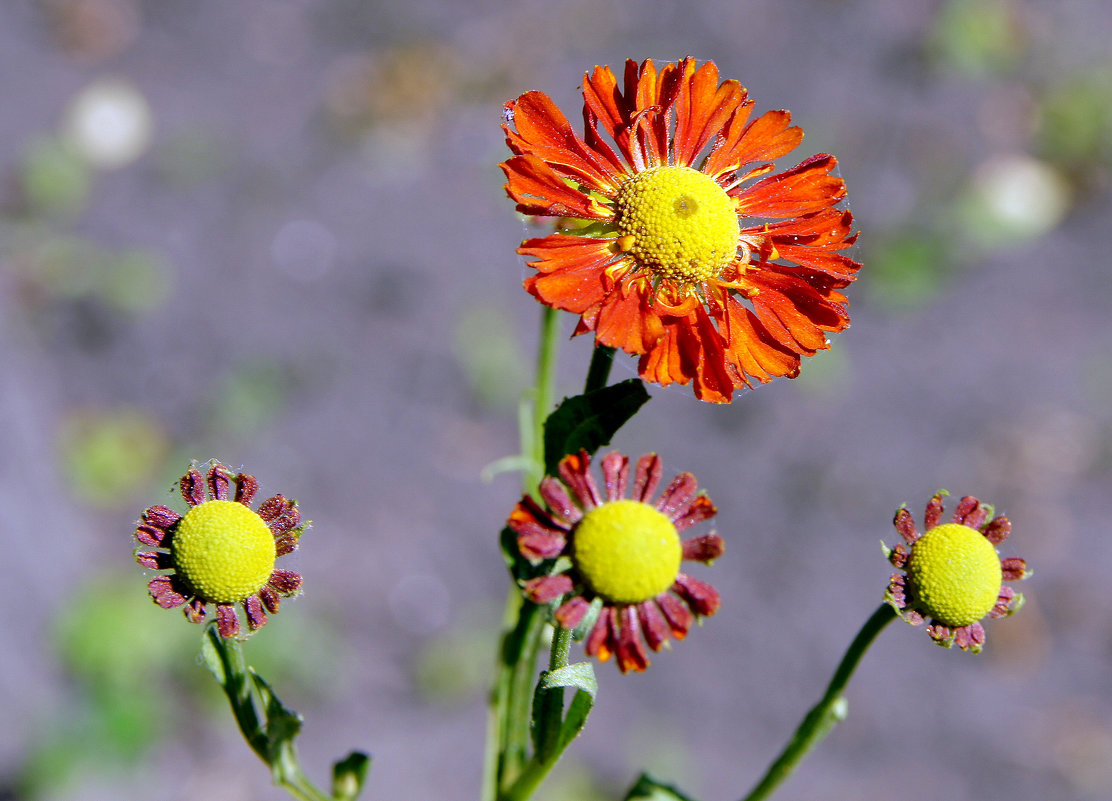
x=273, y=232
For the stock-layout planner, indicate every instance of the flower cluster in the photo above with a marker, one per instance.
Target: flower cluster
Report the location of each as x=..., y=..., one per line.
x=624, y=553
x=953, y=576
x=678, y=242
x=221, y=551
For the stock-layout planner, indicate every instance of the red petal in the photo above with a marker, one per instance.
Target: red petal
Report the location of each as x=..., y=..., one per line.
x=750, y=348
x=574, y=470
x=219, y=479
x=703, y=549
x=934, y=511
x=166, y=592
x=615, y=474
x=679, y=617
x=256, y=615
x=192, y=486
x=653, y=624
x=701, y=508
x=161, y=517
x=571, y=612
x=905, y=524
x=602, y=642
x=546, y=589
x=226, y=621
x=631, y=649
x=285, y=582
x=678, y=495
x=647, y=477
x=970, y=512
x=559, y=503
x=703, y=599
x=998, y=530
x=626, y=319
x=270, y=598
x=1013, y=568
x=280, y=514
x=246, y=487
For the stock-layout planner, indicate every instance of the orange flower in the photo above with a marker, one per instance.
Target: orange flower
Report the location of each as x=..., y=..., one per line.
x=691, y=254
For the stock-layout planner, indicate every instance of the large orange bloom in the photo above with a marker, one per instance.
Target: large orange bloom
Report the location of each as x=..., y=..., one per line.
x=689, y=252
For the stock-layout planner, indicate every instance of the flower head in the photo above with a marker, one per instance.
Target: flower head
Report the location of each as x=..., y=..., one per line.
x=953, y=576
x=221, y=551
x=621, y=554
x=677, y=242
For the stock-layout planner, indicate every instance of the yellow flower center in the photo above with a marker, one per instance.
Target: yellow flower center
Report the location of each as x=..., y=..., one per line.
x=956, y=574
x=682, y=225
x=223, y=550
x=627, y=551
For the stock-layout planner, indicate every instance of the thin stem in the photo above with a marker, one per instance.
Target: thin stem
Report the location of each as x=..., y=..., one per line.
x=827, y=712
x=599, y=370
x=523, y=627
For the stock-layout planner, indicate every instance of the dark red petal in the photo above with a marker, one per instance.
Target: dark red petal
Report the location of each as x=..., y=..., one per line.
x=807, y=187
x=574, y=470
x=219, y=479
x=905, y=524
x=161, y=517
x=615, y=474
x=899, y=555
x=256, y=615
x=571, y=612
x=149, y=535
x=285, y=581
x=1013, y=568
x=166, y=592
x=602, y=641
x=559, y=503
x=227, y=623
x=970, y=512
x=193, y=487
x=156, y=560
x=270, y=598
x=545, y=589
x=934, y=511
x=653, y=624
x=703, y=599
x=631, y=648
x=897, y=590
x=647, y=477
x=703, y=549
x=285, y=544
x=701, y=508
x=679, y=617
x=195, y=611
x=1003, y=602
x=941, y=634
x=998, y=530
x=246, y=487
x=678, y=495
x=280, y=514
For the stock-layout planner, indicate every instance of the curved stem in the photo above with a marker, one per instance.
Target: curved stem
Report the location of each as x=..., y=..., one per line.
x=827, y=712
x=599, y=371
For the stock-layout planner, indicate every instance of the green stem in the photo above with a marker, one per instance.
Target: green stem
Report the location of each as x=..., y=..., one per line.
x=599, y=370
x=523, y=622
x=239, y=686
x=827, y=712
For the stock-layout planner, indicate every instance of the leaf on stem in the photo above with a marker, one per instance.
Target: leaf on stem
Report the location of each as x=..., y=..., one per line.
x=589, y=421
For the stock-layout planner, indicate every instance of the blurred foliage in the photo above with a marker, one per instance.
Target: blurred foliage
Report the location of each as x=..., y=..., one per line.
x=908, y=269
x=52, y=268
x=1074, y=129
x=978, y=37
x=129, y=674
x=487, y=346
x=110, y=456
x=250, y=396
x=454, y=666
x=55, y=179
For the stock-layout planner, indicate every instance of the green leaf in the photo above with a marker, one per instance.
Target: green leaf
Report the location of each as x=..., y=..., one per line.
x=348, y=776
x=590, y=421
x=282, y=723
x=211, y=656
x=649, y=789
x=581, y=677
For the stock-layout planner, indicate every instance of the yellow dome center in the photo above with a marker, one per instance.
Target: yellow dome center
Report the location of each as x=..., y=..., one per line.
x=627, y=551
x=223, y=550
x=956, y=574
x=682, y=224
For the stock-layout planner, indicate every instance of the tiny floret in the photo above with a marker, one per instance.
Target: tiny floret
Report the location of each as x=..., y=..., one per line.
x=221, y=551
x=619, y=554
x=952, y=575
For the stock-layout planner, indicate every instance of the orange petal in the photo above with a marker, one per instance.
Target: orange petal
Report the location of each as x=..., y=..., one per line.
x=627, y=321
x=702, y=110
x=766, y=138
x=805, y=188
x=543, y=131
x=539, y=191
x=750, y=347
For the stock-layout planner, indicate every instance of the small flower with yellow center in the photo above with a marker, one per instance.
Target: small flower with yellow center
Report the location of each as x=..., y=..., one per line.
x=677, y=241
x=621, y=554
x=953, y=576
x=221, y=551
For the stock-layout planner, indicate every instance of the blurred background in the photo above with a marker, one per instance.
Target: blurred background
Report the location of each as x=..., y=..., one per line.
x=273, y=232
